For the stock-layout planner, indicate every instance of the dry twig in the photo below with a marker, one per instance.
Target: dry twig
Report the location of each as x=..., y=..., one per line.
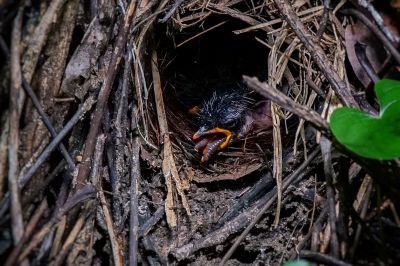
x=287, y=103
x=330, y=192
x=11, y=260
x=80, y=196
x=296, y=175
x=13, y=142
x=95, y=123
x=168, y=167
x=86, y=106
x=134, y=220
x=316, y=52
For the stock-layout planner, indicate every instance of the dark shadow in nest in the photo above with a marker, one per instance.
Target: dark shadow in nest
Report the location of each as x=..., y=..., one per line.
x=191, y=71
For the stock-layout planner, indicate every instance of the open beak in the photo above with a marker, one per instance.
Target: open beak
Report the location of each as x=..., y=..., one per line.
x=211, y=141
x=215, y=131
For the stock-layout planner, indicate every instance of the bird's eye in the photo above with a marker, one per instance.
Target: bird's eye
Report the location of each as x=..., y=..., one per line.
x=231, y=124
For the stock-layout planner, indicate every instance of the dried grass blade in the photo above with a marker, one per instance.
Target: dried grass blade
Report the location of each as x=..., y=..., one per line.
x=168, y=166
x=277, y=168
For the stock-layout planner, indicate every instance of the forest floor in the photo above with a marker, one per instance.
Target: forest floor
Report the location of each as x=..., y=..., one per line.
x=98, y=163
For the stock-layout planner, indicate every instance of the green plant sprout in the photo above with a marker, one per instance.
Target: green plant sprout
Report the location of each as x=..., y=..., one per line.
x=374, y=137
x=297, y=263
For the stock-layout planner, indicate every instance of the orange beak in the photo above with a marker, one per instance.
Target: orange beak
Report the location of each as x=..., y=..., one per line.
x=194, y=110
x=217, y=130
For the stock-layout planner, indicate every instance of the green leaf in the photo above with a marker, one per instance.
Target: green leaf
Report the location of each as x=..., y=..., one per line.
x=370, y=136
x=387, y=92
x=297, y=263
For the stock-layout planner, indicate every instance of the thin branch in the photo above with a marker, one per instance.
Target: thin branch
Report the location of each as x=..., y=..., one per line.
x=152, y=221
x=330, y=193
x=322, y=258
x=361, y=54
x=59, y=260
x=85, y=193
x=117, y=254
x=324, y=21
x=5, y=126
x=289, y=180
x=314, y=87
x=201, y=33
x=28, y=232
x=5, y=202
x=46, y=120
x=86, y=106
x=316, y=52
x=96, y=120
x=363, y=212
x=17, y=225
x=134, y=219
x=378, y=19
x=287, y=103
x=171, y=11
x=315, y=228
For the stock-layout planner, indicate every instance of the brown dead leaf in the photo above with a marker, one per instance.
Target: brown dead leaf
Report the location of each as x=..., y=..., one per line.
x=233, y=173
x=358, y=32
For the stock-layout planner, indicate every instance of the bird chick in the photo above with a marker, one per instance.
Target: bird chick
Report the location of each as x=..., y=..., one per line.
x=226, y=115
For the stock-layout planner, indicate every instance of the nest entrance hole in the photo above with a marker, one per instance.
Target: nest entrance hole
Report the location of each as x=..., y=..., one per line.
x=194, y=66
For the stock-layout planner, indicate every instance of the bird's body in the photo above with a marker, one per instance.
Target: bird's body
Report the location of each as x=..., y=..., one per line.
x=228, y=114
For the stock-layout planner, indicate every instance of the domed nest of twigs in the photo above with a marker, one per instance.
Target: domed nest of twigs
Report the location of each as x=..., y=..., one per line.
x=195, y=63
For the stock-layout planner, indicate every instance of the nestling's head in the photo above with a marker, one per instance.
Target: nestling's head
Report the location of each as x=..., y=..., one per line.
x=222, y=118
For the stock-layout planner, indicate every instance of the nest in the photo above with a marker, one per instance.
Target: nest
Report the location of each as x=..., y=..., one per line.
x=213, y=50
x=197, y=67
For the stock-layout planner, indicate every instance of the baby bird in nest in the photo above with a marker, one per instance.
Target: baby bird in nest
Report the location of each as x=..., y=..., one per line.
x=227, y=115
